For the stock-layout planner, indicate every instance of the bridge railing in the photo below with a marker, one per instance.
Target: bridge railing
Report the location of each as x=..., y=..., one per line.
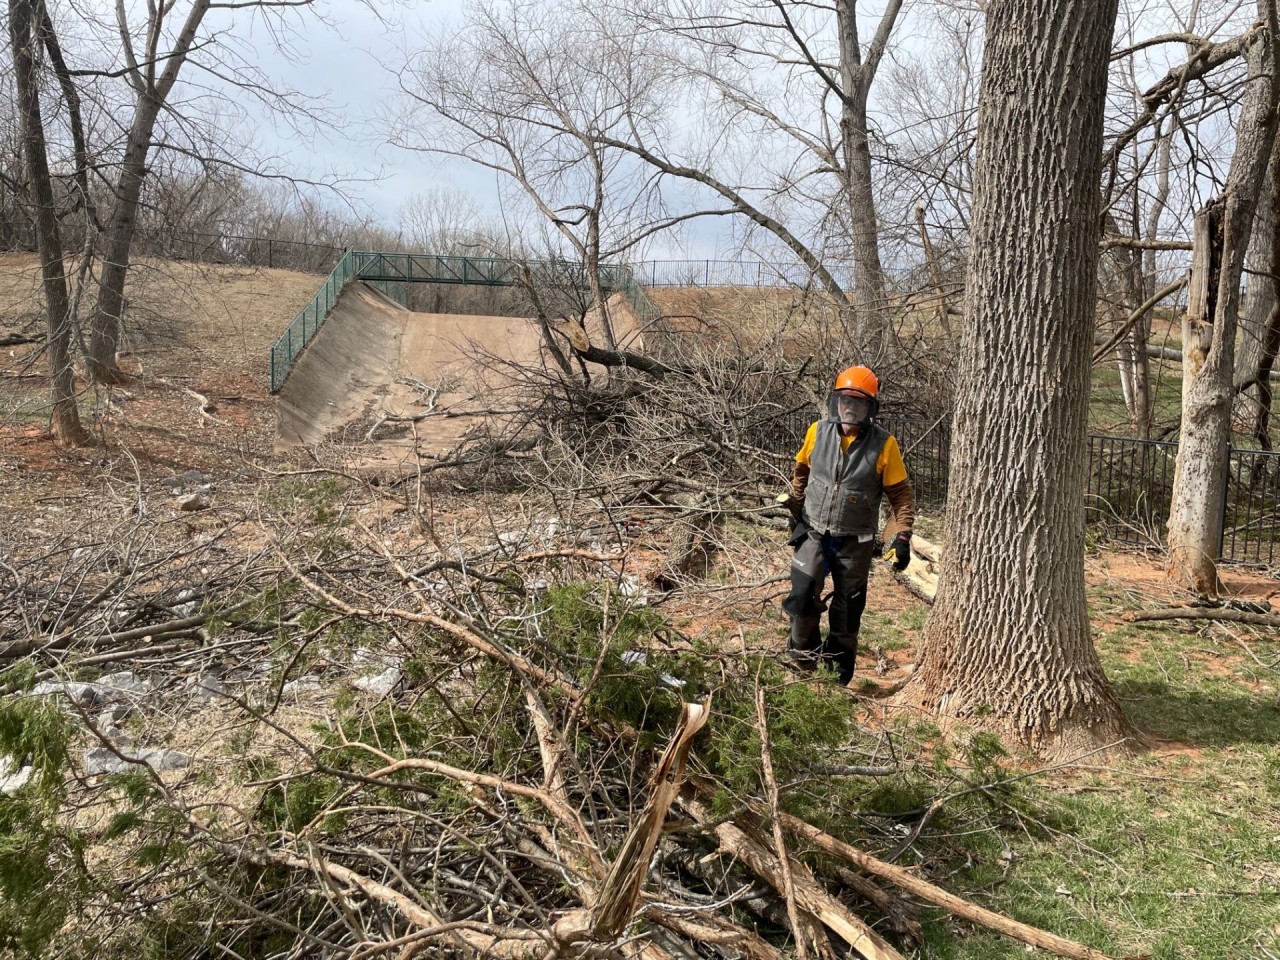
x=305, y=325
x=390, y=270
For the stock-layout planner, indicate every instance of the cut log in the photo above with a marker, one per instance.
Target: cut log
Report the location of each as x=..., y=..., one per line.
x=1207, y=613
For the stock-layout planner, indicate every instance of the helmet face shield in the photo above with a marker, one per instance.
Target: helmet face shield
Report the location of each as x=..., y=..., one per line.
x=851, y=408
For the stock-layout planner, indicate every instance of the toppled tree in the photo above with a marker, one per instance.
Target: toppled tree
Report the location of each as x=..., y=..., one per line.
x=550, y=769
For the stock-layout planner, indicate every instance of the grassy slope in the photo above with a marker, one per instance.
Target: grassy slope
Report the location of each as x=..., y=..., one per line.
x=1175, y=854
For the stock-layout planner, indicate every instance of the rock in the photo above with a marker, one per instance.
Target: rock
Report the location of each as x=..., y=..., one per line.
x=537, y=587
x=186, y=606
x=193, y=478
x=82, y=694
x=379, y=674
x=380, y=684
x=101, y=760
x=122, y=687
x=208, y=687
x=630, y=588
x=111, y=716
x=126, y=682
x=13, y=778
x=117, y=736
x=193, y=502
x=302, y=685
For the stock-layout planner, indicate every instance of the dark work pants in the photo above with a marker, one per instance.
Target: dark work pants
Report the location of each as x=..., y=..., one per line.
x=849, y=563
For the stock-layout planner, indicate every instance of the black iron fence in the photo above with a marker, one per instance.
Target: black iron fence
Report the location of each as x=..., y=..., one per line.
x=1129, y=486
x=247, y=251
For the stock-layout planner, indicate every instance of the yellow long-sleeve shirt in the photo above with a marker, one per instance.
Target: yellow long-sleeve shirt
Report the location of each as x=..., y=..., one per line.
x=889, y=464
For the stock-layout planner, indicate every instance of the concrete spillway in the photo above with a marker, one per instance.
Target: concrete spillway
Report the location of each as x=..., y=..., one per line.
x=350, y=373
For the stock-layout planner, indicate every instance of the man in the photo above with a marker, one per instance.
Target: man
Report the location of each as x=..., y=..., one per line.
x=846, y=464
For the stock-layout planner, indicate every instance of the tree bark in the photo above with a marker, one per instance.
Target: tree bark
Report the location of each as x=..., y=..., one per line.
x=65, y=416
x=873, y=328
x=1209, y=332
x=151, y=92
x=1260, y=323
x=1007, y=644
x=104, y=332
x=1260, y=295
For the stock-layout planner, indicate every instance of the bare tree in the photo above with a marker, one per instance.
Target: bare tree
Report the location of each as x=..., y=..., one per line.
x=151, y=76
x=25, y=37
x=799, y=80
x=536, y=93
x=1209, y=326
x=158, y=48
x=856, y=76
x=443, y=220
x=1007, y=645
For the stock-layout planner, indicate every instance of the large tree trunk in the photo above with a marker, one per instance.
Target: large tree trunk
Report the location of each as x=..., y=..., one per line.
x=1209, y=335
x=65, y=418
x=1260, y=320
x=1007, y=645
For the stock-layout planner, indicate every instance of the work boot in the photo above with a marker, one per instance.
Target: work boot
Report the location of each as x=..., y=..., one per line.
x=802, y=644
x=806, y=661
x=842, y=660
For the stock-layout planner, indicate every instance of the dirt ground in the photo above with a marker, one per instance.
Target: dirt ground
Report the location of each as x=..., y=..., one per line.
x=207, y=330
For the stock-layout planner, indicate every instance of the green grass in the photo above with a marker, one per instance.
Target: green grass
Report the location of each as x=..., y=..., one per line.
x=1174, y=854
x=1107, y=412
x=893, y=630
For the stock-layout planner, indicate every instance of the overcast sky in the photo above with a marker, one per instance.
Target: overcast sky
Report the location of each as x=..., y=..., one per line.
x=353, y=63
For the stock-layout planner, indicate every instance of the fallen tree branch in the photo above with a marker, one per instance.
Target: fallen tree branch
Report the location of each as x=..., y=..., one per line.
x=18, y=339
x=620, y=894
x=779, y=842
x=735, y=842
x=157, y=631
x=1206, y=613
x=204, y=405
x=958, y=906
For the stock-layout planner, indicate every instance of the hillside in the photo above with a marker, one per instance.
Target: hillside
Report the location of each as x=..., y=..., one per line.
x=372, y=670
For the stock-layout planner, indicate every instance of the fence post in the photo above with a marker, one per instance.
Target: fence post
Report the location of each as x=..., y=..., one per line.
x=707, y=275
x=1226, y=493
x=271, y=259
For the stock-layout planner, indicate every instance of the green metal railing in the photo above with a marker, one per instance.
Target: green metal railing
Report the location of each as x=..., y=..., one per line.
x=304, y=326
x=389, y=272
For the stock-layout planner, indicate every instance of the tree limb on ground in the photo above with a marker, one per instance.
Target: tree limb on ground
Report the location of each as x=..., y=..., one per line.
x=957, y=906
x=1206, y=613
x=18, y=339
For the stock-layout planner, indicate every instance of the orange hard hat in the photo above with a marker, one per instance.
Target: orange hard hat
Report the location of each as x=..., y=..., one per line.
x=860, y=379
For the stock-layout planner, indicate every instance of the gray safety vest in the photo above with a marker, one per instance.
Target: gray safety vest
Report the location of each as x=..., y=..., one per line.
x=843, y=493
